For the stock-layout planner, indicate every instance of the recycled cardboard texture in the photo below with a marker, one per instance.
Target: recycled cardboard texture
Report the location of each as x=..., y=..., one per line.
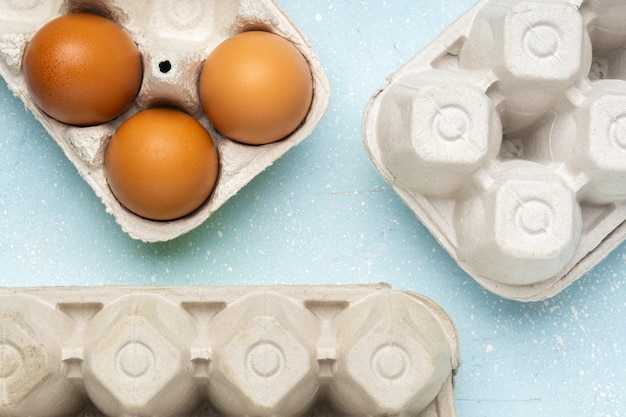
x=506, y=137
x=164, y=32
x=200, y=351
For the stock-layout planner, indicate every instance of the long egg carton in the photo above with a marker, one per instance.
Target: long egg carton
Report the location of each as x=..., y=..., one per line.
x=506, y=136
x=177, y=36
x=217, y=351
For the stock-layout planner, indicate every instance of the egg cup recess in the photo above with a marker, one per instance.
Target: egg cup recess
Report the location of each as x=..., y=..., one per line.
x=174, y=40
x=229, y=351
x=506, y=137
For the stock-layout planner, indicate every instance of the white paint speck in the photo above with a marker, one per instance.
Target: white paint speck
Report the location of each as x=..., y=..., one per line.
x=318, y=17
x=220, y=234
x=489, y=349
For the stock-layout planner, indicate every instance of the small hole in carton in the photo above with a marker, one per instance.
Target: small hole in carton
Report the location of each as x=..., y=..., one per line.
x=165, y=66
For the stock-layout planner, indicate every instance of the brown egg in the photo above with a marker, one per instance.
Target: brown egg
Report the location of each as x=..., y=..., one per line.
x=161, y=164
x=82, y=69
x=256, y=87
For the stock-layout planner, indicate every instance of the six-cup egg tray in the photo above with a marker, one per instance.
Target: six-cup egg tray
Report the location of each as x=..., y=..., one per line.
x=506, y=136
x=238, y=351
x=174, y=38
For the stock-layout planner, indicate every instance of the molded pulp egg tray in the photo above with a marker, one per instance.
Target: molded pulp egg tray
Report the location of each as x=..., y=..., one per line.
x=238, y=351
x=181, y=33
x=507, y=138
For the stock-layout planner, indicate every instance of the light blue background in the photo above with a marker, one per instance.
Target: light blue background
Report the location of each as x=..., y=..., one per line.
x=322, y=215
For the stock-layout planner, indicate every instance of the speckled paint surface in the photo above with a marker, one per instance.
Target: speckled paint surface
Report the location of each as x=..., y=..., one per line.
x=322, y=215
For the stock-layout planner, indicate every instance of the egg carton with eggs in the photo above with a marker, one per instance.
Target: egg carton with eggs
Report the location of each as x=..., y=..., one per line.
x=173, y=40
x=237, y=351
x=507, y=138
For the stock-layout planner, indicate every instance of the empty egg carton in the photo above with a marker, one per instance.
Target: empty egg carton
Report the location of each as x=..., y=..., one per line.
x=507, y=138
x=174, y=38
x=263, y=351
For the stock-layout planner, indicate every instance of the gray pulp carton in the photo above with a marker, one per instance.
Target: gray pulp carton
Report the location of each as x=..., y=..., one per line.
x=507, y=138
x=239, y=351
x=179, y=35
